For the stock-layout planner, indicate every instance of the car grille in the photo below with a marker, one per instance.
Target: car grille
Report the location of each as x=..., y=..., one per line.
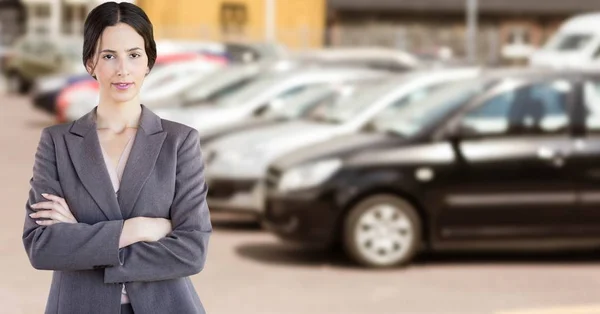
x=224, y=188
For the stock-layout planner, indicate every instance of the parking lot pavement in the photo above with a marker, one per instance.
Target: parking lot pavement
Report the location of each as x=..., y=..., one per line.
x=249, y=271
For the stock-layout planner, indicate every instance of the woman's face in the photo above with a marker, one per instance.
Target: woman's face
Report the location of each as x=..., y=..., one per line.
x=121, y=64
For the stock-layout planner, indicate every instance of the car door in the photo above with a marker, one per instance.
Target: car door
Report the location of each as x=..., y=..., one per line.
x=586, y=160
x=510, y=178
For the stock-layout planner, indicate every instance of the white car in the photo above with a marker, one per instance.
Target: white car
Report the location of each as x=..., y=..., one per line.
x=163, y=84
x=237, y=164
x=256, y=97
x=575, y=45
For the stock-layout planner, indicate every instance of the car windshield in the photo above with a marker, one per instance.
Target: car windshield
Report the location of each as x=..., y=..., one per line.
x=249, y=91
x=218, y=84
x=364, y=95
x=409, y=120
x=296, y=105
x=569, y=42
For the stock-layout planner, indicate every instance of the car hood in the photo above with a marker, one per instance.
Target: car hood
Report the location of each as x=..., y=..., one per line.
x=244, y=125
x=338, y=147
x=248, y=154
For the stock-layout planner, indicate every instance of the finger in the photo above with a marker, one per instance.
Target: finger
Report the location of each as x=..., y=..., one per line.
x=55, y=198
x=52, y=214
x=65, y=210
x=43, y=205
x=46, y=222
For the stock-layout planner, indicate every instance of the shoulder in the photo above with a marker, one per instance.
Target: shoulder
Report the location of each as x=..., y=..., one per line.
x=179, y=132
x=56, y=130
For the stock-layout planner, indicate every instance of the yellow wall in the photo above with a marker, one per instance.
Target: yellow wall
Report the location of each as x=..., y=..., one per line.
x=299, y=23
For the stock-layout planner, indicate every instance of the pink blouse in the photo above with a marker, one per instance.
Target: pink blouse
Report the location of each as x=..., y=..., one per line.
x=116, y=172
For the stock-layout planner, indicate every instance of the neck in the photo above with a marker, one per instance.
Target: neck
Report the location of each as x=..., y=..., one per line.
x=118, y=116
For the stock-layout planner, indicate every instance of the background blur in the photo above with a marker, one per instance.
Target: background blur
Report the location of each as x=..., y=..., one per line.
x=264, y=55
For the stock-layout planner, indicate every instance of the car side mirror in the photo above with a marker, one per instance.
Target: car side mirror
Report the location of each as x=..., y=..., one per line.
x=459, y=132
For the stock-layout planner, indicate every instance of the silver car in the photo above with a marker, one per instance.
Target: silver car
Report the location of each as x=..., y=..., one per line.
x=237, y=164
x=306, y=104
x=256, y=97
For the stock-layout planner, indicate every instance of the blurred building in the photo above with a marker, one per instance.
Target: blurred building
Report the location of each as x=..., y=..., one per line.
x=58, y=17
x=508, y=30
x=293, y=23
x=12, y=21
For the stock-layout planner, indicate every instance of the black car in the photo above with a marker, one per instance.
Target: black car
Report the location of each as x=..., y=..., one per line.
x=508, y=161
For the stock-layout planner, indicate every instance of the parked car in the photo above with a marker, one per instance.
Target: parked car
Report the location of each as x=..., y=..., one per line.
x=308, y=103
x=256, y=97
x=167, y=82
x=237, y=164
x=225, y=81
x=506, y=161
x=372, y=57
x=576, y=44
x=45, y=90
x=33, y=56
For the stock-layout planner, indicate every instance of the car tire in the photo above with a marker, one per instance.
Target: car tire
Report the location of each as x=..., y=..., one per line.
x=15, y=84
x=382, y=231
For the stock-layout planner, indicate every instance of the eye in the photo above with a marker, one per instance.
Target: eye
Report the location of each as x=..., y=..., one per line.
x=107, y=57
x=135, y=55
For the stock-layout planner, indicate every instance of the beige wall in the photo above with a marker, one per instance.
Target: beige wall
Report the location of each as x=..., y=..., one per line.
x=298, y=23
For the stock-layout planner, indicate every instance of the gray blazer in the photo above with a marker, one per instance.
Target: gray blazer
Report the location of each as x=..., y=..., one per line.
x=163, y=177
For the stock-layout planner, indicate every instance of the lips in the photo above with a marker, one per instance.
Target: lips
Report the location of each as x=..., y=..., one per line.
x=122, y=86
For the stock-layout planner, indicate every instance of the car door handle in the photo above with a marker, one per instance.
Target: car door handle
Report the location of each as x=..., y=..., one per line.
x=554, y=156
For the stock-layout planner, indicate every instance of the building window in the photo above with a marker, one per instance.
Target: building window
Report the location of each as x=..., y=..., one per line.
x=234, y=17
x=73, y=18
x=519, y=35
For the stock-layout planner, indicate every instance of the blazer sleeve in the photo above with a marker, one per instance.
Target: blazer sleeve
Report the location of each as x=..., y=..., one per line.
x=183, y=251
x=64, y=246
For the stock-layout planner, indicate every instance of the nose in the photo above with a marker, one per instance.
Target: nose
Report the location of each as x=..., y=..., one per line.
x=122, y=70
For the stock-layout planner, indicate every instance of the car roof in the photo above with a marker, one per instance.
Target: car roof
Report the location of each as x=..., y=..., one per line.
x=332, y=69
x=537, y=73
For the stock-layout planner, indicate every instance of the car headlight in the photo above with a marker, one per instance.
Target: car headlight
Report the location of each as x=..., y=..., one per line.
x=48, y=84
x=309, y=175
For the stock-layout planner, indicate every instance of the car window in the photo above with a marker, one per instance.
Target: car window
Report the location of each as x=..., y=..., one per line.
x=416, y=95
x=569, y=42
x=533, y=109
x=289, y=93
x=591, y=95
x=413, y=118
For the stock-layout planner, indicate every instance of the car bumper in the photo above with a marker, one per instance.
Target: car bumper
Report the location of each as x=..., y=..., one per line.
x=46, y=101
x=307, y=218
x=236, y=195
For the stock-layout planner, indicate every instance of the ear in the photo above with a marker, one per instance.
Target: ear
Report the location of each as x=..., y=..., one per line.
x=89, y=68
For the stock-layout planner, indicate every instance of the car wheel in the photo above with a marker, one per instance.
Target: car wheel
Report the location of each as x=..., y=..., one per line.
x=382, y=231
x=15, y=84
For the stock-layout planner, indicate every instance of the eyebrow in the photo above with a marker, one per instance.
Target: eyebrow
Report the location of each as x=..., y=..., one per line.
x=128, y=50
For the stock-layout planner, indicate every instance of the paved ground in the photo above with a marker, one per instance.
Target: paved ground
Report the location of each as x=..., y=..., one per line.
x=248, y=271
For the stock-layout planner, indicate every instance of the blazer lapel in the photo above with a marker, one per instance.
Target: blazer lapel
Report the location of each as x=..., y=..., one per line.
x=85, y=152
x=142, y=158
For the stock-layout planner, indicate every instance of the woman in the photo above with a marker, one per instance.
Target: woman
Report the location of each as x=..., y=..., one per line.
x=117, y=205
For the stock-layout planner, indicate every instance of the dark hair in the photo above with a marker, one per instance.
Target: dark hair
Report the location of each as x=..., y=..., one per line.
x=111, y=13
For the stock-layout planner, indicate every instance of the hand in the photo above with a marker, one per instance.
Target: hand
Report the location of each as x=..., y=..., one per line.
x=144, y=229
x=154, y=229
x=56, y=209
